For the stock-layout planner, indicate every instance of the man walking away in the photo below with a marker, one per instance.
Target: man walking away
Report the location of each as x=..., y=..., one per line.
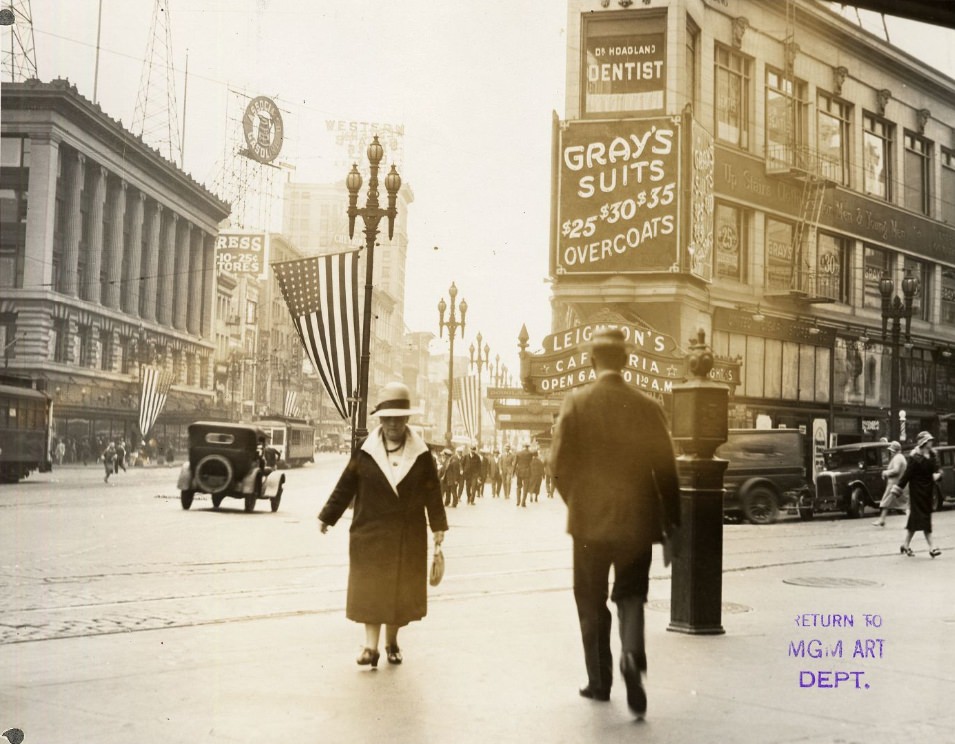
x=615, y=469
x=522, y=469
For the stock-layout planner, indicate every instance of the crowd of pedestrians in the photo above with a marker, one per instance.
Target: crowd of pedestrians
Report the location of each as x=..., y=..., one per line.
x=468, y=474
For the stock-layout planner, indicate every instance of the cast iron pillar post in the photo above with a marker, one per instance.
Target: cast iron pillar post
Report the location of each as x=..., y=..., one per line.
x=700, y=426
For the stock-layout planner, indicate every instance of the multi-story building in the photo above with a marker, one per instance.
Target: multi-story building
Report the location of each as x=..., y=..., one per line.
x=106, y=263
x=759, y=170
x=315, y=219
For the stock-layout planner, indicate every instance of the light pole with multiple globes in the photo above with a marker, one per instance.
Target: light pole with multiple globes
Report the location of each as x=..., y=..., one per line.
x=452, y=324
x=480, y=362
x=371, y=214
x=896, y=310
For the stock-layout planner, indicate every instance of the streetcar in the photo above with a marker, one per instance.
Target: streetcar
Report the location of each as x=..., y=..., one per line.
x=292, y=438
x=26, y=421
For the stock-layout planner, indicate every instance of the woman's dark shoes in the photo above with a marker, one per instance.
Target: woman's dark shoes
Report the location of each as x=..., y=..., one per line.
x=393, y=653
x=592, y=693
x=906, y=551
x=369, y=656
x=636, y=695
x=934, y=552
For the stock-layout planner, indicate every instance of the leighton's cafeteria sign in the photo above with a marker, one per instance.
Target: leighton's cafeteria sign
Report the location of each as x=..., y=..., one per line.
x=618, y=202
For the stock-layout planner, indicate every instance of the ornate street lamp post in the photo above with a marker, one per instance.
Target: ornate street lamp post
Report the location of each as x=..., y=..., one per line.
x=371, y=214
x=480, y=362
x=452, y=324
x=896, y=310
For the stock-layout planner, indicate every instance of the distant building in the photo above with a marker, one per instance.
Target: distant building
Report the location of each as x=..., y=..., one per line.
x=106, y=262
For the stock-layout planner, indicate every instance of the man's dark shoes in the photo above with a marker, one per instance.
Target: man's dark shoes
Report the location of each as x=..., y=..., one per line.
x=636, y=695
x=592, y=693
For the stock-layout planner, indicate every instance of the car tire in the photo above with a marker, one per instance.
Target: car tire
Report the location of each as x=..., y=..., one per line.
x=214, y=474
x=856, y=506
x=217, y=500
x=250, y=502
x=185, y=497
x=760, y=506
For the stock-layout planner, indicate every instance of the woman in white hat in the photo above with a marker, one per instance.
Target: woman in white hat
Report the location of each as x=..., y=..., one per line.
x=891, y=476
x=920, y=476
x=393, y=481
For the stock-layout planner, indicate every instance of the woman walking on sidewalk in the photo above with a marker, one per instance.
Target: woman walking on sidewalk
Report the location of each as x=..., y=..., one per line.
x=393, y=481
x=920, y=477
x=891, y=476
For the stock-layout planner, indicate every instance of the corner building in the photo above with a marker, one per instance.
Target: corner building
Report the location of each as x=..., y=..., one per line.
x=756, y=169
x=106, y=262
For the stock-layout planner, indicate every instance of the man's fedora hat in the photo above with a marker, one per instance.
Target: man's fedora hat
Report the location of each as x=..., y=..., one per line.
x=395, y=401
x=606, y=337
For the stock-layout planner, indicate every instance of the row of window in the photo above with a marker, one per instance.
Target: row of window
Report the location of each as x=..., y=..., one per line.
x=826, y=274
x=789, y=142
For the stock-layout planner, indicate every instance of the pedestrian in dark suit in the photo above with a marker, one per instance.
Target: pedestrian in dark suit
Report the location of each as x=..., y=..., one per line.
x=522, y=471
x=471, y=468
x=615, y=469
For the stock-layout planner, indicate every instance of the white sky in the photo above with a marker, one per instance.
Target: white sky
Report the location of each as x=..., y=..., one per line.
x=474, y=84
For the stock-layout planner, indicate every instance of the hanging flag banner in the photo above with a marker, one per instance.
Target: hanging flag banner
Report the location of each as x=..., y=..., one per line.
x=291, y=404
x=468, y=396
x=152, y=398
x=321, y=293
x=618, y=204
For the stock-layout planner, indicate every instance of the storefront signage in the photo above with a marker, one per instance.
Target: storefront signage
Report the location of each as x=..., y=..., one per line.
x=618, y=200
x=353, y=137
x=737, y=321
x=263, y=129
x=241, y=253
x=743, y=178
x=917, y=384
x=700, y=246
x=625, y=73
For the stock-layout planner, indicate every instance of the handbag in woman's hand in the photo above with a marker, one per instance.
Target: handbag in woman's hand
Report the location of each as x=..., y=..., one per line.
x=437, y=566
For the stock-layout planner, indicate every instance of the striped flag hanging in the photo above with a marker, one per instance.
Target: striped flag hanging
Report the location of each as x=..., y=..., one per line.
x=468, y=396
x=321, y=293
x=156, y=383
x=291, y=408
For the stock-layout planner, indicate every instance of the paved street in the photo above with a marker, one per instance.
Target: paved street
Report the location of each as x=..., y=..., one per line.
x=129, y=620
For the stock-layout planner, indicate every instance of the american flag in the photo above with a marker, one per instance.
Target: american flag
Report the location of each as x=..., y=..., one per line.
x=291, y=406
x=468, y=395
x=321, y=293
x=152, y=398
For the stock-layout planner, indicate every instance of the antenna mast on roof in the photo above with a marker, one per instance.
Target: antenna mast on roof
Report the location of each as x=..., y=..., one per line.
x=19, y=61
x=156, y=119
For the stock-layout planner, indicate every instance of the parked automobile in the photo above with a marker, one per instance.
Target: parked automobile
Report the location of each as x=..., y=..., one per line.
x=766, y=472
x=946, y=486
x=230, y=460
x=851, y=481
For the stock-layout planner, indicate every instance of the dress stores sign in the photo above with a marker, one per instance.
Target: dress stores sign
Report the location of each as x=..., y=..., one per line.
x=617, y=194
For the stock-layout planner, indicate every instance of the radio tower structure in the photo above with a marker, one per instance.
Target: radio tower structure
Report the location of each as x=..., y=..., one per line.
x=19, y=61
x=156, y=118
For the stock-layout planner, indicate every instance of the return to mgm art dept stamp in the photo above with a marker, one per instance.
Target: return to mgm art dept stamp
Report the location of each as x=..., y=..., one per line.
x=835, y=648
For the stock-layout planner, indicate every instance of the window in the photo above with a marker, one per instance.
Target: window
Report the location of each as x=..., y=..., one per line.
x=8, y=335
x=922, y=302
x=85, y=334
x=876, y=157
x=691, y=63
x=916, y=175
x=948, y=296
x=832, y=268
x=833, y=127
x=15, y=152
x=60, y=341
x=780, y=260
x=875, y=263
x=730, y=244
x=106, y=349
x=947, y=186
x=786, y=119
x=733, y=97
x=251, y=310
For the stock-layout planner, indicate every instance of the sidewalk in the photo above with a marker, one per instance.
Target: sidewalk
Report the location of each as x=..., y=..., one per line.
x=504, y=666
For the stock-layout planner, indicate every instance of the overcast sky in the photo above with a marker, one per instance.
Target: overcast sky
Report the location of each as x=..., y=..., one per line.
x=473, y=83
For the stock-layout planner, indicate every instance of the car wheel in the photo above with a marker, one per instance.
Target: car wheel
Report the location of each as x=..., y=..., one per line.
x=186, y=498
x=277, y=498
x=856, y=503
x=760, y=506
x=217, y=500
x=250, y=502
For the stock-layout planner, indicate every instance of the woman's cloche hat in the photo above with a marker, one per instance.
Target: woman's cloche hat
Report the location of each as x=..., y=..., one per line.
x=395, y=400
x=923, y=437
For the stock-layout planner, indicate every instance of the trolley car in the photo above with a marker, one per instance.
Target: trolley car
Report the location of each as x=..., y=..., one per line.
x=26, y=417
x=292, y=438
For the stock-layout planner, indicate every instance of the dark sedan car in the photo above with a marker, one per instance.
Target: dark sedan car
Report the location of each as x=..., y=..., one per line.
x=851, y=481
x=229, y=460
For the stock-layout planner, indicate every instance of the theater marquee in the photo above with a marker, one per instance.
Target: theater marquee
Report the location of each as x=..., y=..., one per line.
x=617, y=196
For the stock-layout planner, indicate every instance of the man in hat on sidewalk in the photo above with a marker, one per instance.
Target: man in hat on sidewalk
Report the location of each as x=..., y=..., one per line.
x=614, y=467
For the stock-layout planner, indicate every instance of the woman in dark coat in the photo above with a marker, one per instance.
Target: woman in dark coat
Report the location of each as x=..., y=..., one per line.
x=920, y=475
x=393, y=480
